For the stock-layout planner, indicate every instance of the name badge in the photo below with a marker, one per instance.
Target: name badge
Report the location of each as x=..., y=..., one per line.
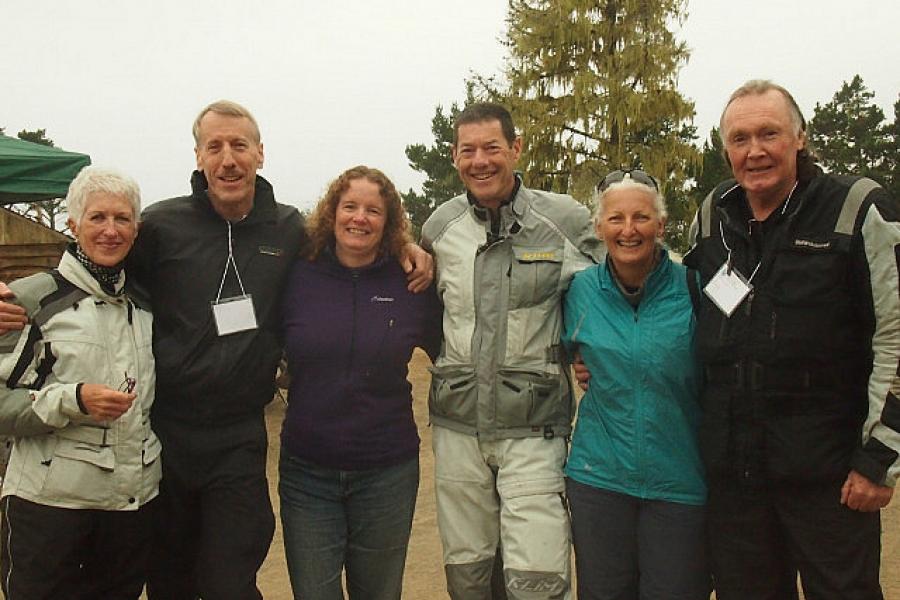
x=727, y=289
x=234, y=314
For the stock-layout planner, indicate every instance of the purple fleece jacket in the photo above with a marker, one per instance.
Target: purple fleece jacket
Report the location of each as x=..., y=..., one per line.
x=349, y=334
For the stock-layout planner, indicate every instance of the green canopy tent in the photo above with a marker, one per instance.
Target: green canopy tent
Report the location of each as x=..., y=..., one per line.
x=32, y=172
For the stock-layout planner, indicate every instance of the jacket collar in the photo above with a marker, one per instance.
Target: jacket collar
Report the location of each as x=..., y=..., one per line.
x=74, y=271
x=328, y=259
x=733, y=203
x=662, y=267
x=263, y=210
x=515, y=201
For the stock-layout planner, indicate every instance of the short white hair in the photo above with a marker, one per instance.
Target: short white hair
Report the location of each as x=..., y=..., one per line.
x=91, y=180
x=659, y=203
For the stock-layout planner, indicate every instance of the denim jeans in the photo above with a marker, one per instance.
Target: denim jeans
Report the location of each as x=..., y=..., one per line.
x=359, y=521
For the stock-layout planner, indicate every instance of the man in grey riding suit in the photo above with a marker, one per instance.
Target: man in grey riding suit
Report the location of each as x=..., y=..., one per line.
x=501, y=399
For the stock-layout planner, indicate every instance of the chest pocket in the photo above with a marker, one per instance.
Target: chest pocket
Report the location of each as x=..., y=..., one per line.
x=810, y=271
x=74, y=355
x=534, y=275
x=813, y=308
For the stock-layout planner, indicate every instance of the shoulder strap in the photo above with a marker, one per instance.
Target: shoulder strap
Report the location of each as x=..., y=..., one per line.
x=706, y=207
x=856, y=195
x=706, y=214
x=66, y=295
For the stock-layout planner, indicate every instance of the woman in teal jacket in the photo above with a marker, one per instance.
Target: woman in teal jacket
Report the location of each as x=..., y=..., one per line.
x=634, y=477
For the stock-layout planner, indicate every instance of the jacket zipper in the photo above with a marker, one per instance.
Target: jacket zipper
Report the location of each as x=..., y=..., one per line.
x=355, y=278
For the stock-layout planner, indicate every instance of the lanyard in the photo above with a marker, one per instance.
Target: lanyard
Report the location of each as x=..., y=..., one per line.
x=230, y=262
x=728, y=248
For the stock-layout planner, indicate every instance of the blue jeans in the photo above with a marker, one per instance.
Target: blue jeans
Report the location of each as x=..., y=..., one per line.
x=354, y=520
x=628, y=548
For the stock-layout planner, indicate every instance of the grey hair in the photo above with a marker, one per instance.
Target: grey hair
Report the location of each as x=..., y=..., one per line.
x=757, y=87
x=229, y=109
x=659, y=203
x=91, y=180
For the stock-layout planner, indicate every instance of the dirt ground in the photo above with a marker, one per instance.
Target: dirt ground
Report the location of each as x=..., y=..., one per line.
x=424, y=578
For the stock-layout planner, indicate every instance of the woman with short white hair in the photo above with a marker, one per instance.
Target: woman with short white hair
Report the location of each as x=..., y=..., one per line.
x=634, y=479
x=76, y=386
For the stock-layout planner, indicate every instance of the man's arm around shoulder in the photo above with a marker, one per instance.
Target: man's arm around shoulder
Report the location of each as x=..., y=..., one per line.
x=12, y=316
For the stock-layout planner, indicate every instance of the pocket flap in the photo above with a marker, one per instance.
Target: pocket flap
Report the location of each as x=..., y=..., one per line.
x=99, y=456
x=455, y=376
x=152, y=450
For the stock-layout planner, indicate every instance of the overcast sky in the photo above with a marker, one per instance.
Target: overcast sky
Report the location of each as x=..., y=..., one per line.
x=339, y=83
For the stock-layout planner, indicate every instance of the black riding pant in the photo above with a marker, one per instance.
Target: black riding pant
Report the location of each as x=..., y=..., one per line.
x=215, y=520
x=51, y=553
x=762, y=536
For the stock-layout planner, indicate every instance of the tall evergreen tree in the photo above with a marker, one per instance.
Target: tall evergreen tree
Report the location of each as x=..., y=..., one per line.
x=892, y=153
x=707, y=174
x=593, y=87
x=435, y=161
x=713, y=168
x=848, y=135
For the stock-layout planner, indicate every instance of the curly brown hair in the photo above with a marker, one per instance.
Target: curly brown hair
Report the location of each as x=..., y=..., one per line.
x=320, y=225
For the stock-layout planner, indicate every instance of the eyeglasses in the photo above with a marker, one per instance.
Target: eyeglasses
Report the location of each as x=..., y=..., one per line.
x=633, y=174
x=127, y=386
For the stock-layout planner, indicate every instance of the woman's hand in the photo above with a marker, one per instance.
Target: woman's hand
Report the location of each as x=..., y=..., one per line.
x=103, y=403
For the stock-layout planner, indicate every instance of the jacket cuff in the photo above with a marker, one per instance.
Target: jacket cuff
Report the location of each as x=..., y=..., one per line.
x=868, y=467
x=78, y=399
x=70, y=406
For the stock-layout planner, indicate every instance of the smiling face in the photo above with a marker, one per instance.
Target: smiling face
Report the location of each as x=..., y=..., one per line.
x=630, y=226
x=107, y=228
x=762, y=142
x=486, y=160
x=359, y=221
x=229, y=155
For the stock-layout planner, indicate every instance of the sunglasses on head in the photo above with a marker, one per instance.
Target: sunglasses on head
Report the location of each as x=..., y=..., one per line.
x=618, y=175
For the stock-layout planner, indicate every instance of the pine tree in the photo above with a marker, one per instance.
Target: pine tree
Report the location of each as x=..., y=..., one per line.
x=593, y=86
x=711, y=171
x=848, y=135
x=436, y=163
x=714, y=168
x=892, y=153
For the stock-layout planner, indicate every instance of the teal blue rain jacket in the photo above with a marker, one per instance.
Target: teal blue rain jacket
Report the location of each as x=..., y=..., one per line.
x=636, y=431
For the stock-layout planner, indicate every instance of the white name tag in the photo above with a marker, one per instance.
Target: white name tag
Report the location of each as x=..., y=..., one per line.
x=727, y=289
x=234, y=314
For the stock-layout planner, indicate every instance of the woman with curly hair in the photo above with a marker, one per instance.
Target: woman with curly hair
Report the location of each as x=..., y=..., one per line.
x=349, y=468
